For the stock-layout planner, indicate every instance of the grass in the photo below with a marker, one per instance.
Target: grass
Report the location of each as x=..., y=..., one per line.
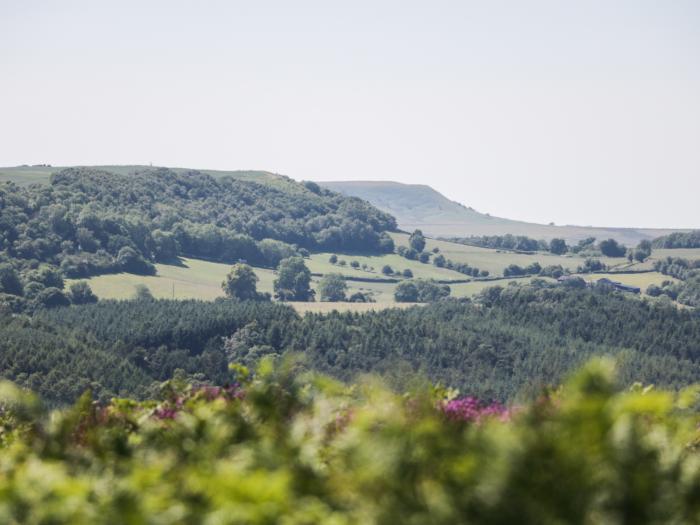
x=474, y=287
x=26, y=175
x=684, y=253
x=318, y=263
x=495, y=261
x=194, y=279
x=198, y=279
x=642, y=280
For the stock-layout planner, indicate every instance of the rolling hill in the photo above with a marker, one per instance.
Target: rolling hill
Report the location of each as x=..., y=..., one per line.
x=420, y=206
x=41, y=174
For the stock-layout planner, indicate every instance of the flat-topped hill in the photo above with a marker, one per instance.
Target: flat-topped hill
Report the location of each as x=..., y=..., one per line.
x=420, y=206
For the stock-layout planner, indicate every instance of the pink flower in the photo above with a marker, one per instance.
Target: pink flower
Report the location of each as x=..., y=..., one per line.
x=471, y=409
x=165, y=413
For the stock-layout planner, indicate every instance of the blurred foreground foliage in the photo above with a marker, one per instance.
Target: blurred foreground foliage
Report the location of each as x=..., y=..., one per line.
x=294, y=448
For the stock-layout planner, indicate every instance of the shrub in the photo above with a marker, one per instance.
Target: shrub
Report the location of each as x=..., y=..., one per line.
x=287, y=448
x=81, y=293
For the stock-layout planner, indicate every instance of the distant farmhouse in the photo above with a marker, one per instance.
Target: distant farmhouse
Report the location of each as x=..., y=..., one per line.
x=619, y=286
x=571, y=279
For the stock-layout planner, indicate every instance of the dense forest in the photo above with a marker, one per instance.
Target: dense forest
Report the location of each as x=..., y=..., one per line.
x=506, y=343
x=687, y=291
x=89, y=221
x=689, y=239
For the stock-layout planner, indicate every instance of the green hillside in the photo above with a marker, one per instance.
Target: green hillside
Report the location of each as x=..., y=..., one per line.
x=417, y=206
x=41, y=174
x=90, y=221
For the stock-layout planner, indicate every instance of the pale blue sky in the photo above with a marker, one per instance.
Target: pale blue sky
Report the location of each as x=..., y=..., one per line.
x=575, y=112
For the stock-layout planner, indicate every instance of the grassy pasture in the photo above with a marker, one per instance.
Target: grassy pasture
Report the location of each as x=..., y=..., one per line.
x=474, y=287
x=318, y=263
x=26, y=175
x=642, y=280
x=194, y=279
x=198, y=279
x=495, y=261
x=684, y=253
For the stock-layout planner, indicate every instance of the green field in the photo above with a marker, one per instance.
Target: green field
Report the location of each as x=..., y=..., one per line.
x=474, y=287
x=642, y=280
x=495, y=261
x=684, y=253
x=318, y=263
x=26, y=175
x=198, y=279
x=194, y=279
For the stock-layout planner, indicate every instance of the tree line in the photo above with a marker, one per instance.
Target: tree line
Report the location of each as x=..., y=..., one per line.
x=689, y=239
x=501, y=345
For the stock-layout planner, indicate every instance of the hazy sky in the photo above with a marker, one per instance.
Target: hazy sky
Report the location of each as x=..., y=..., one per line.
x=579, y=112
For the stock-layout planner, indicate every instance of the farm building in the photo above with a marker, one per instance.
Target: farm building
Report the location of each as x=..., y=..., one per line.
x=619, y=286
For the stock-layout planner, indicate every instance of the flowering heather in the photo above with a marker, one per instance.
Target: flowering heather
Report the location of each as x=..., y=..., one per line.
x=471, y=409
x=228, y=392
x=300, y=449
x=165, y=413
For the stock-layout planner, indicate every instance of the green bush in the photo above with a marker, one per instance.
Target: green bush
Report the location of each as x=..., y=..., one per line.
x=286, y=447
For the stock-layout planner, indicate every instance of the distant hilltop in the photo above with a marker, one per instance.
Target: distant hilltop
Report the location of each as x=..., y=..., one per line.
x=418, y=206
x=415, y=206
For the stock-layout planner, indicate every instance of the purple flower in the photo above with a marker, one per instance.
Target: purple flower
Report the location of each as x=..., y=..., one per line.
x=165, y=413
x=471, y=409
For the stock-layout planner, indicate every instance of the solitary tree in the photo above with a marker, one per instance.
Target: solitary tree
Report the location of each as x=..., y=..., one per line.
x=611, y=248
x=558, y=246
x=241, y=283
x=142, y=293
x=417, y=241
x=293, y=281
x=643, y=251
x=387, y=270
x=333, y=287
x=406, y=292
